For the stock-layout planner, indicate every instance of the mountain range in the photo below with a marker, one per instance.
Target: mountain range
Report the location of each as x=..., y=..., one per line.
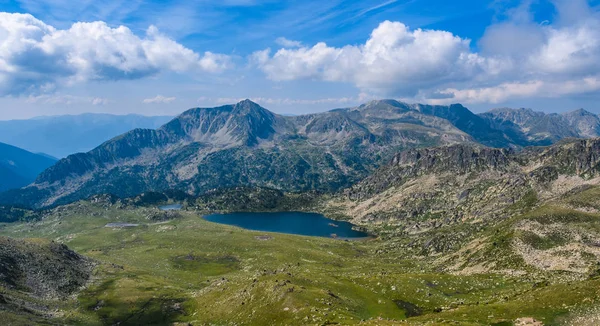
x=528, y=127
x=246, y=145
x=19, y=168
x=60, y=136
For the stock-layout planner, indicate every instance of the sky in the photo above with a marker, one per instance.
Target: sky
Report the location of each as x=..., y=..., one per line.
x=162, y=57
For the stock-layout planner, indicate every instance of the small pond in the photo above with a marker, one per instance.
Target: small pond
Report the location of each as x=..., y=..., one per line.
x=309, y=224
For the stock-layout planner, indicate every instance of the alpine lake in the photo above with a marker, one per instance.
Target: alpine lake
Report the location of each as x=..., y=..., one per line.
x=307, y=224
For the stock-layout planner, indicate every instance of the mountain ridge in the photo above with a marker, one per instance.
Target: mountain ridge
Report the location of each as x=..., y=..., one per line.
x=245, y=144
x=539, y=128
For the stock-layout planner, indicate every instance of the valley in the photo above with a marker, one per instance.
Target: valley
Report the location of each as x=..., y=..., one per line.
x=187, y=270
x=468, y=227
x=300, y=163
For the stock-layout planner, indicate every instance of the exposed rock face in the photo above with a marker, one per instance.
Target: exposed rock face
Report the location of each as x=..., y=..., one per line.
x=586, y=124
x=580, y=157
x=457, y=158
x=47, y=270
x=453, y=160
x=245, y=123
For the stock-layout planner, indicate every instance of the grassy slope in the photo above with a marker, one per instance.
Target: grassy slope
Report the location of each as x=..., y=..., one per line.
x=190, y=270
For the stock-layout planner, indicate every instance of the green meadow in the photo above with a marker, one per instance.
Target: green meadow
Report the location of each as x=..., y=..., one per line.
x=191, y=271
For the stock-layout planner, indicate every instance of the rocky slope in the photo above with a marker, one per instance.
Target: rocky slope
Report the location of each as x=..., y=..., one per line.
x=35, y=276
x=19, y=168
x=466, y=182
x=245, y=145
x=47, y=270
x=486, y=210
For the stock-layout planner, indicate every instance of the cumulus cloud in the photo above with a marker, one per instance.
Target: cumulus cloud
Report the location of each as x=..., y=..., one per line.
x=517, y=58
x=394, y=60
x=159, y=99
x=37, y=57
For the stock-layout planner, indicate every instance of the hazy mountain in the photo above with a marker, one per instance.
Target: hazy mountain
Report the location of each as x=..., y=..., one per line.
x=247, y=145
x=525, y=126
x=19, y=168
x=61, y=136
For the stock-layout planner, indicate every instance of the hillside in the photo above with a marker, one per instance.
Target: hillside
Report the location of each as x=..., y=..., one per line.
x=540, y=265
x=464, y=234
x=480, y=210
x=465, y=183
x=61, y=136
x=19, y=168
x=35, y=276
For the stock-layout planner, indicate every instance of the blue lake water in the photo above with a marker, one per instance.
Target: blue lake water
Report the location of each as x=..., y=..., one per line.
x=173, y=207
x=309, y=224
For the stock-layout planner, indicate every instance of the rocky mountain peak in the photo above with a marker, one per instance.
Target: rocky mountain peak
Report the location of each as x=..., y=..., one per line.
x=249, y=106
x=584, y=123
x=388, y=104
x=578, y=113
x=244, y=123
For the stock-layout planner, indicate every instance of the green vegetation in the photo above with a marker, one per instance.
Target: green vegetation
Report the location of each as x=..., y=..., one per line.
x=543, y=242
x=192, y=271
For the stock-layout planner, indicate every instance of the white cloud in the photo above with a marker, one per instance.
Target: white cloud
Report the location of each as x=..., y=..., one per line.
x=159, y=99
x=394, y=60
x=519, y=90
x=518, y=58
x=288, y=43
x=35, y=56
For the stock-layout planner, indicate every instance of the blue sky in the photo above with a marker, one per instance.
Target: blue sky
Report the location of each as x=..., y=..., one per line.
x=162, y=57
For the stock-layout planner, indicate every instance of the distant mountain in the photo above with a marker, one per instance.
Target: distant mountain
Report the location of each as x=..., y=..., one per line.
x=526, y=127
x=19, y=168
x=61, y=136
x=245, y=145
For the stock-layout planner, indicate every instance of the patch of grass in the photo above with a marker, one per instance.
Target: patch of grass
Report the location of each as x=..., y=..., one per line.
x=526, y=203
x=587, y=198
x=543, y=243
x=207, y=266
x=551, y=214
